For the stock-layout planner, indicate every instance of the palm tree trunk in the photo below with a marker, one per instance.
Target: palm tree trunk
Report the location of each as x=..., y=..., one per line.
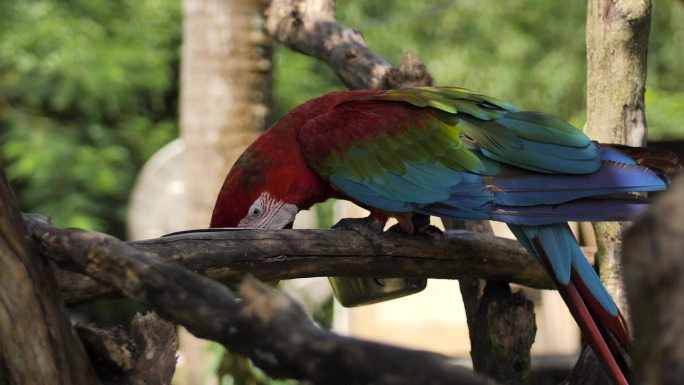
x=225, y=97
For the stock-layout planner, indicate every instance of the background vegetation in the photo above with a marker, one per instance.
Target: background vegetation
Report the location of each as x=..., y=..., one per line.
x=89, y=88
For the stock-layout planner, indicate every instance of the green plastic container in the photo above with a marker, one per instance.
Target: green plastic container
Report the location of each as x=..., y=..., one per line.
x=356, y=291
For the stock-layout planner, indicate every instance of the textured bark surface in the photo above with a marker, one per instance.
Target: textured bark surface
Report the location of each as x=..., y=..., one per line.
x=227, y=256
x=501, y=323
x=654, y=274
x=617, y=44
x=226, y=83
x=265, y=325
x=144, y=356
x=225, y=91
x=502, y=331
x=587, y=370
x=309, y=27
x=38, y=344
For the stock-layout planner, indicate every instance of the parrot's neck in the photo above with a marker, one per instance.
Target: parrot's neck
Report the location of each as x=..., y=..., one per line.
x=288, y=176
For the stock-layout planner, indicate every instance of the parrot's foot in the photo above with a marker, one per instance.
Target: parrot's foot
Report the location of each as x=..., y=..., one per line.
x=367, y=227
x=421, y=226
x=355, y=291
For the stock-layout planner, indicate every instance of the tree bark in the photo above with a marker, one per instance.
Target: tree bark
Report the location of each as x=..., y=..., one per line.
x=501, y=323
x=227, y=256
x=309, y=27
x=224, y=106
x=225, y=93
x=265, y=325
x=617, y=46
x=654, y=273
x=617, y=41
x=38, y=344
x=145, y=356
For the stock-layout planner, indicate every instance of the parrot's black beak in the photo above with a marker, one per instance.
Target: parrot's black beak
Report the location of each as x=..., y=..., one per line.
x=289, y=225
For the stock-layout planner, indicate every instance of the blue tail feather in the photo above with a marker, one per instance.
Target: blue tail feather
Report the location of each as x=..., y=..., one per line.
x=564, y=254
x=581, y=210
x=611, y=178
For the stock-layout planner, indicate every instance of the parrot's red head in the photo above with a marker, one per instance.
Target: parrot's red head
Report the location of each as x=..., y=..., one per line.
x=268, y=184
x=247, y=199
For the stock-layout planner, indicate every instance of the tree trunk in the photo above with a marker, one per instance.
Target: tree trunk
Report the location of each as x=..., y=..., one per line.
x=501, y=323
x=38, y=344
x=226, y=82
x=617, y=42
x=225, y=93
x=654, y=269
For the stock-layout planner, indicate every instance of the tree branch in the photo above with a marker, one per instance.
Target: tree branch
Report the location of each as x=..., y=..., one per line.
x=37, y=342
x=266, y=325
x=309, y=27
x=313, y=31
x=226, y=256
x=145, y=356
x=654, y=276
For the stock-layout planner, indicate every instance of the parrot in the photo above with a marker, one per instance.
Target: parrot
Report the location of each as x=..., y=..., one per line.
x=454, y=153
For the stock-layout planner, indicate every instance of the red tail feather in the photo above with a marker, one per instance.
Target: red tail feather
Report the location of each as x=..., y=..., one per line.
x=606, y=334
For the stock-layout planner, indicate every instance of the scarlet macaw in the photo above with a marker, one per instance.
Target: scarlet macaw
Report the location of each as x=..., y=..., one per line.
x=453, y=153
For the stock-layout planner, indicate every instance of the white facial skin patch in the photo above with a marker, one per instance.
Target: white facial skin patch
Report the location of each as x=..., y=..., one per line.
x=268, y=212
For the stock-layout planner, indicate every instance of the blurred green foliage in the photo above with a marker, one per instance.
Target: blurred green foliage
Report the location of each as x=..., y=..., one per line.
x=88, y=92
x=528, y=52
x=89, y=88
x=234, y=369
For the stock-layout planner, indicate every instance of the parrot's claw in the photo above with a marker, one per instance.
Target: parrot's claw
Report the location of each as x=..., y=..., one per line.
x=431, y=231
x=368, y=228
x=421, y=226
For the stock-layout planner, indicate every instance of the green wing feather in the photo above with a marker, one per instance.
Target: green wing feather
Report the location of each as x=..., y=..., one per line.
x=400, y=149
x=526, y=139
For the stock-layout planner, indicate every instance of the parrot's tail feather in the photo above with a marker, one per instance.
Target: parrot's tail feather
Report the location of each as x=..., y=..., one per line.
x=613, y=363
x=662, y=161
x=615, y=324
x=522, y=188
x=587, y=209
x=603, y=326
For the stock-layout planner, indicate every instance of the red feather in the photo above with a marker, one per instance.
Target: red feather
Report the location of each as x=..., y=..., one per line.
x=600, y=339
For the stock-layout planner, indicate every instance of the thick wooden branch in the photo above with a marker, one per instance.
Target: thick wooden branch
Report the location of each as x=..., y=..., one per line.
x=654, y=276
x=309, y=27
x=227, y=256
x=37, y=342
x=265, y=325
x=313, y=31
x=145, y=356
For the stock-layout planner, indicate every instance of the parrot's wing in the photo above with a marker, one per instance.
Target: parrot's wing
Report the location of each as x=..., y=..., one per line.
x=530, y=140
x=453, y=153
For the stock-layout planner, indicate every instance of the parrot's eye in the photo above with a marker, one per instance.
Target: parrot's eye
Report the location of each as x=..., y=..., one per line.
x=255, y=210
